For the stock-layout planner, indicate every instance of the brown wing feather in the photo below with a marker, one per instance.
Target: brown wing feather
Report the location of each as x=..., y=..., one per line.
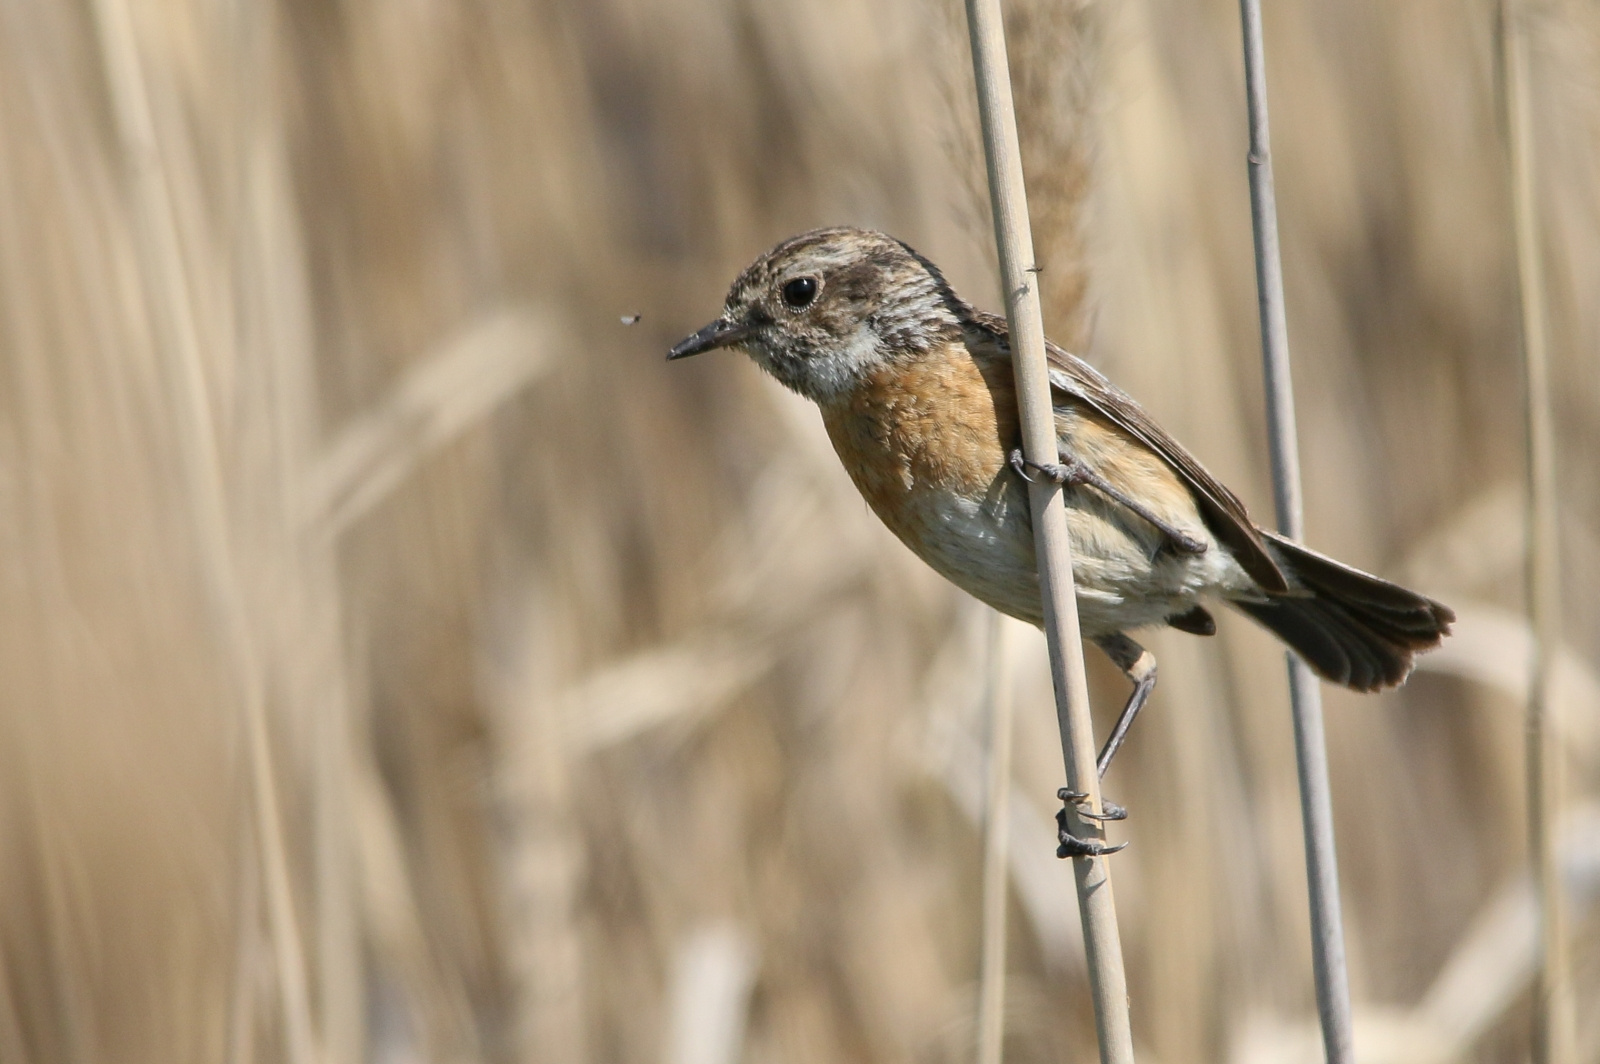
x=1224, y=514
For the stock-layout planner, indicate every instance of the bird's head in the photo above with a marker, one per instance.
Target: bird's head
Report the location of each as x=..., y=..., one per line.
x=821, y=309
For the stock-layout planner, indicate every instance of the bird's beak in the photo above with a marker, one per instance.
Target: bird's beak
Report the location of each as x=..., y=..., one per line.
x=720, y=333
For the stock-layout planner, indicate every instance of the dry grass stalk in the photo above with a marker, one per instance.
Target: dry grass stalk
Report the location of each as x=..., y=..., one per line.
x=998, y=702
x=1552, y=1004
x=1305, y=694
x=1024, y=312
x=173, y=307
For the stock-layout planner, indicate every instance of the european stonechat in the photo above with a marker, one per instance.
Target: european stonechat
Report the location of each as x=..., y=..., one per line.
x=916, y=392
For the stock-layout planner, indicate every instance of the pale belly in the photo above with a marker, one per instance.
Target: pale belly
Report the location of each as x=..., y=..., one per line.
x=1125, y=575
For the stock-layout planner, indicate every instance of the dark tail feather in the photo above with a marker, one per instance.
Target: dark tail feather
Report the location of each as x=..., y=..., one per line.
x=1351, y=627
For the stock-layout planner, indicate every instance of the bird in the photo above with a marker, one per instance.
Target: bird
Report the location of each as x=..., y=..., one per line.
x=916, y=392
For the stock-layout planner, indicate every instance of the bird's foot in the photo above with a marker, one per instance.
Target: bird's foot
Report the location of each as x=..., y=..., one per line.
x=1070, y=473
x=1071, y=845
x=1079, y=800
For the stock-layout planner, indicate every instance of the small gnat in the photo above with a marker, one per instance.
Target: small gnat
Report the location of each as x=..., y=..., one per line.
x=631, y=319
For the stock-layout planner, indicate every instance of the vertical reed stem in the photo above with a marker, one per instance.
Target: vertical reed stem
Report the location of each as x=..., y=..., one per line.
x=1013, y=234
x=998, y=704
x=1552, y=1017
x=167, y=287
x=1305, y=697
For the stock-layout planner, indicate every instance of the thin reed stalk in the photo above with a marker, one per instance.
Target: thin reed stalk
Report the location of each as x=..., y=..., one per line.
x=1552, y=1017
x=1305, y=697
x=1013, y=234
x=174, y=314
x=270, y=294
x=999, y=702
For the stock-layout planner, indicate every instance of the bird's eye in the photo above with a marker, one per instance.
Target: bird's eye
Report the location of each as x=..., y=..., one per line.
x=799, y=292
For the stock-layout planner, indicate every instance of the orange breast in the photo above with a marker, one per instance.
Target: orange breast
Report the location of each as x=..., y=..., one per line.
x=940, y=425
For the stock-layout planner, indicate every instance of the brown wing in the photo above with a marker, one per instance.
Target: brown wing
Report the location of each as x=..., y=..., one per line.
x=1224, y=514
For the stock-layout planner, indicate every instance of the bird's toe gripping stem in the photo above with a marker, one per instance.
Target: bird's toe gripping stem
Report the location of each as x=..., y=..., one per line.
x=1074, y=846
x=1071, y=471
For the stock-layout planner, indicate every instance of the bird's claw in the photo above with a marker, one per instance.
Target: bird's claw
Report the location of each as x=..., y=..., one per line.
x=1071, y=845
x=1074, y=846
x=1109, y=810
x=1071, y=472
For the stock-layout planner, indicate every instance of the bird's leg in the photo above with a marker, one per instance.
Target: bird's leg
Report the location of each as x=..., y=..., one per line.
x=1073, y=471
x=1139, y=665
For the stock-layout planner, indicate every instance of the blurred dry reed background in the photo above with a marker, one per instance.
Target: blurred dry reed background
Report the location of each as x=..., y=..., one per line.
x=402, y=663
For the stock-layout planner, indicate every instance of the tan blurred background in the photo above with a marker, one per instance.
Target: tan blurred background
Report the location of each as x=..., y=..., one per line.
x=399, y=661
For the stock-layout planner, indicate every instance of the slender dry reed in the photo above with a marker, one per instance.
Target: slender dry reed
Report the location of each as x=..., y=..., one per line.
x=1008, y=196
x=173, y=305
x=1305, y=695
x=999, y=700
x=1552, y=1006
